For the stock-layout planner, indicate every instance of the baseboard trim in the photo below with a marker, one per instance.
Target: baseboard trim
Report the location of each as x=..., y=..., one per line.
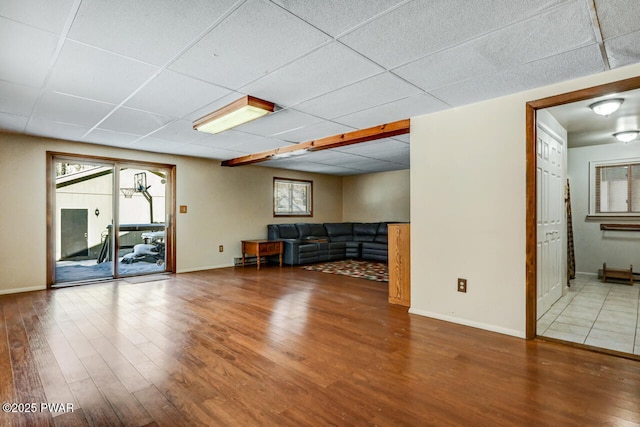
x=18, y=290
x=471, y=323
x=208, y=267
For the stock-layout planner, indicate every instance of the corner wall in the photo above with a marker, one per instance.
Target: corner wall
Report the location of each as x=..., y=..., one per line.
x=225, y=205
x=468, y=217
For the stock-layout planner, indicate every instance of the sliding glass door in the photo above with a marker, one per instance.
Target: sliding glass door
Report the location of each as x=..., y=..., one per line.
x=108, y=219
x=142, y=221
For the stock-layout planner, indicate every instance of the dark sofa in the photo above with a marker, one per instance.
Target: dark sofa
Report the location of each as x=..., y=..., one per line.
x=305, y=243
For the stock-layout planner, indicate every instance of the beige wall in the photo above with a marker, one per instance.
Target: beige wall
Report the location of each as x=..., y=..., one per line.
x=376, y=197
x=225, y=205
x=468, y=208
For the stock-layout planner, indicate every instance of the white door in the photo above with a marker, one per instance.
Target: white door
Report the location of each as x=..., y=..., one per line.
x=551, y=229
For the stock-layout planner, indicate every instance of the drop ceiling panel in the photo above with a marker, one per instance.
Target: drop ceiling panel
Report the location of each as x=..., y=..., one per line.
x=49, y=15
x=174, y=94
x=59, y=107
x=337, y=16
x=108, y=137
x=331, y=156
x=377, y=90
x=336, y=159
x=201, y=151
x=375, y=149
x=136, y=122
x=239, y=142
x=315, y=131
x=150, y=30
x=26, y=59
x=179, y=131
x=96, y=74
x=13, y=122
x=618, y=17
x=403, y=138
x=562, y=67
x=422, y=29
x=279, y=122
x=302, y=165
x=256, y=39
x=313, y=75
x=623, y=50
x=155, y=145
x=51, y=129
x=248, y=143
x=564, y=28
x=393, y=111
x=17, y=98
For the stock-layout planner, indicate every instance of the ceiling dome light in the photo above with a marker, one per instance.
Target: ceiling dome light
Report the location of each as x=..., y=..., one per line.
x=626, y=136
x=606, y=106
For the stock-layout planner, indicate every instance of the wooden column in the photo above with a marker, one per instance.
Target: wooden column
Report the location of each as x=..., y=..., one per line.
x=399, y=264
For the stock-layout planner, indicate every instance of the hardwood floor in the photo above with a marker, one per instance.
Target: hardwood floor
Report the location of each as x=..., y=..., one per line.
x=286, y=347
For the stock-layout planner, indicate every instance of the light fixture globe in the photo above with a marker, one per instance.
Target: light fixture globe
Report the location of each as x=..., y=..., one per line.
x=606, y=106
x=626, y=136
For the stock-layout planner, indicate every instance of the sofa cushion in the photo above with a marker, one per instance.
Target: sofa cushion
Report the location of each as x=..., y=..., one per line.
x=382, y=234
x=339, y=231
x=317, y=230
x=288, y=231
x=365, y=232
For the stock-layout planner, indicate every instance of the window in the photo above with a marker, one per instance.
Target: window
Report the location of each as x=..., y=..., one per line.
x=292, y=197
x=615, y=188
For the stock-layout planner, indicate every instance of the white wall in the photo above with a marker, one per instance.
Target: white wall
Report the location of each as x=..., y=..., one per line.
x=618, y=249
x=468, y=212
x=376, y=197
x=225, y=205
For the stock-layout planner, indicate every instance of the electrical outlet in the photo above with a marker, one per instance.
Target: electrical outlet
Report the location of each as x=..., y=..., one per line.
x=220, y=248
x=462, y=285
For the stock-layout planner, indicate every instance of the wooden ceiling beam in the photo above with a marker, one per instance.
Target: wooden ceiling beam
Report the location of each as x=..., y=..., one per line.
x=387, y=130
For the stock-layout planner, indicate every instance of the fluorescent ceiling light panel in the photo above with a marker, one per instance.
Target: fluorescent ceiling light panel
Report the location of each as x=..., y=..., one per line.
x=238, y=112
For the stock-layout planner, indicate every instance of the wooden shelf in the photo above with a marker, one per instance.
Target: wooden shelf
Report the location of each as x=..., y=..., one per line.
x=620, y=227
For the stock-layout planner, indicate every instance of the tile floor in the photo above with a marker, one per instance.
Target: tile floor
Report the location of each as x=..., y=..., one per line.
x=594, y=313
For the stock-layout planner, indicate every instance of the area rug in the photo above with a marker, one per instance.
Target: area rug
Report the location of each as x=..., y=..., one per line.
x=377, y=271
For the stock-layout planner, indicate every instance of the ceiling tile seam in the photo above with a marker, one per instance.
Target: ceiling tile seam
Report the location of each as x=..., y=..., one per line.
x=597, y=31
x=336, y=119
x=26, y=24
x=84, y=98
x=62, y=38
x=350, y=30
x=182, y=51
x=279, y=67
x=383, y=71
x=374, y=18
x=478, y=36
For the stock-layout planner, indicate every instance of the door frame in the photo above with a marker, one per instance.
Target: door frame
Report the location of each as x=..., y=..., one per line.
x=531, y=198
x=170, y=233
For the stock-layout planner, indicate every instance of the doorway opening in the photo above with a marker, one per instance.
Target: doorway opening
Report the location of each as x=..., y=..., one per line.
x=537, y=268
x=108, y=218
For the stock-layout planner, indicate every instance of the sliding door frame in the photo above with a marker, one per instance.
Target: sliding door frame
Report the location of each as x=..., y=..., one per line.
x=170, y=233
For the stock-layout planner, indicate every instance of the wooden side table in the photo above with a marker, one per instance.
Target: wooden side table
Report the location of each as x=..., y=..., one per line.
x=261, y=248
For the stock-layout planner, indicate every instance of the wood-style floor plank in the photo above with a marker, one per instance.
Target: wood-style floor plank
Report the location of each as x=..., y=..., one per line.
x=287, y=347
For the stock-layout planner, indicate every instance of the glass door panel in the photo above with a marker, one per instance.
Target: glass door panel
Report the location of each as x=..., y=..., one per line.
x=82, y=217
x=142, y=218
